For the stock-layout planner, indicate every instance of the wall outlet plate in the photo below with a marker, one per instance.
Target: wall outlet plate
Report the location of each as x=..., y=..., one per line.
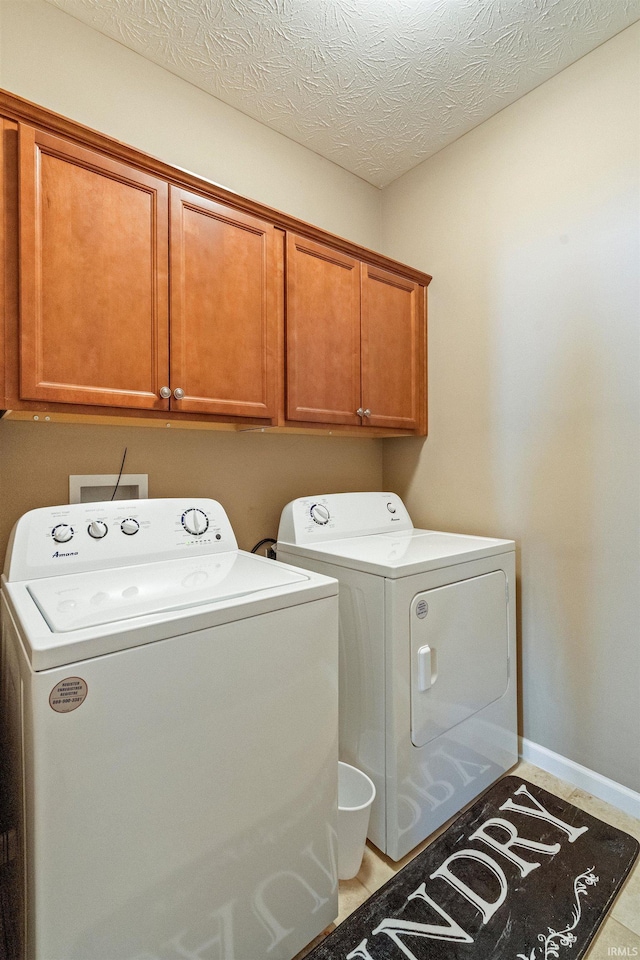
x=90, y=488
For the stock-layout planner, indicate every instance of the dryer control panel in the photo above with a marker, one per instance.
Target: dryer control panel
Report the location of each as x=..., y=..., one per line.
x=337, y=516
x=79, y=537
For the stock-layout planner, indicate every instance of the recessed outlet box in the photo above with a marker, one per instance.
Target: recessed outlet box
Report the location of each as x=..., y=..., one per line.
x=90, y=488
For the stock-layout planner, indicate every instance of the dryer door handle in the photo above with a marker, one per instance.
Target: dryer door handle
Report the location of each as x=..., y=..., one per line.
x=427, y=667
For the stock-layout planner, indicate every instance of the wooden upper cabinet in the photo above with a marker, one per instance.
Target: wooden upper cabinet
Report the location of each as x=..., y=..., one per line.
x=322, y=333
x=93, y=277
x=356, y=343
x=393, y=350
x=129, y=285
x=225, y=268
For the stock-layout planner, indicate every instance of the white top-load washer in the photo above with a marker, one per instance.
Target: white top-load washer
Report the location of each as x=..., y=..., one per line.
x=427, y=655
x=171, y=703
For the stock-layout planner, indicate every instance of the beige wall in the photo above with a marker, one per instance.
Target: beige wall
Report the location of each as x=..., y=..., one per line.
x=252, y=475
x=52, y=59
x=529, y=225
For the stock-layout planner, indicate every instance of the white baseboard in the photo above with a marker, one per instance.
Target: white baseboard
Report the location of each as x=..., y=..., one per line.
x=602, y=787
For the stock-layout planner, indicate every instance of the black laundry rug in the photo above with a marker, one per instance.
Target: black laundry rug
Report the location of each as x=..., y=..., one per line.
x=521, y=875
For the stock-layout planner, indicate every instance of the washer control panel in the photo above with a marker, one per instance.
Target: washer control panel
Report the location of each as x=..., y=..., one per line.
x=337, y=516
x=91, y=536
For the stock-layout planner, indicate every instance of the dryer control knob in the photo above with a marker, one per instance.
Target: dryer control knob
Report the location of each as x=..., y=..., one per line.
x=320, y=514
x=97, y=529
x=62, y=533
x=195, y=521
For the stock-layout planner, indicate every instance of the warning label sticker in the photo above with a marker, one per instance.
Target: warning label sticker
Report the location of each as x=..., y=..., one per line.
x=68, y=695
x=422, y=609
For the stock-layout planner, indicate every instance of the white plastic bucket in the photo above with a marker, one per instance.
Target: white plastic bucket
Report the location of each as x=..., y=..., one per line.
x=356, y=793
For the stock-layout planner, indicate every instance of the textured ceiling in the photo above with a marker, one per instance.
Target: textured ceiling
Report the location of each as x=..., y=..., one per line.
x=374, y=85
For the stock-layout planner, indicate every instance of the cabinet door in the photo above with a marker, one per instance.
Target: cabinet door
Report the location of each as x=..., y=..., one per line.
x=93, y=300
x=225, y=267
x=323, y=333
x=459, y=653
x=393, y=350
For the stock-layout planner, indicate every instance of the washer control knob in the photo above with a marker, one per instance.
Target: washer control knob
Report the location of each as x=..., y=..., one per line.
x=195, y=521
x=320, y=514
x=97, y=529
x=391, y=507
x=129, y=526
x=62, y=533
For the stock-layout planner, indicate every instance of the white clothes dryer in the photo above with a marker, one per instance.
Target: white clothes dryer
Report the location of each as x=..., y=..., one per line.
x=172, y=709
x=427, y=655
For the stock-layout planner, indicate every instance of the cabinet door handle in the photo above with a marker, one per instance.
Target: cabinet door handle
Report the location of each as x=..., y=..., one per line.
x=165, y=392
x=360, y=412
x=178, y=393
x=366, y=413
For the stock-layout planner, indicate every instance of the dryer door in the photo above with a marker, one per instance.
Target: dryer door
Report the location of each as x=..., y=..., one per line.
x=459, y=653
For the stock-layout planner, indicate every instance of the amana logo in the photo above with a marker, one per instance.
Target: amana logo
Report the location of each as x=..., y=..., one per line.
x=58, y=554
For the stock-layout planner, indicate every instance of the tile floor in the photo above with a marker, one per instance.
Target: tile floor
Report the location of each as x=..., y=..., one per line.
x=619, y=935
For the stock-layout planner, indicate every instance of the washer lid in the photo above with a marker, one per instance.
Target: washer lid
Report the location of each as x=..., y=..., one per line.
x=96, y=598
x=398, y=554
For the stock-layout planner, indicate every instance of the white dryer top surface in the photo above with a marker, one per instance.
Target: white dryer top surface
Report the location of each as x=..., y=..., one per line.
x=400, y=554
x=373, y=532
